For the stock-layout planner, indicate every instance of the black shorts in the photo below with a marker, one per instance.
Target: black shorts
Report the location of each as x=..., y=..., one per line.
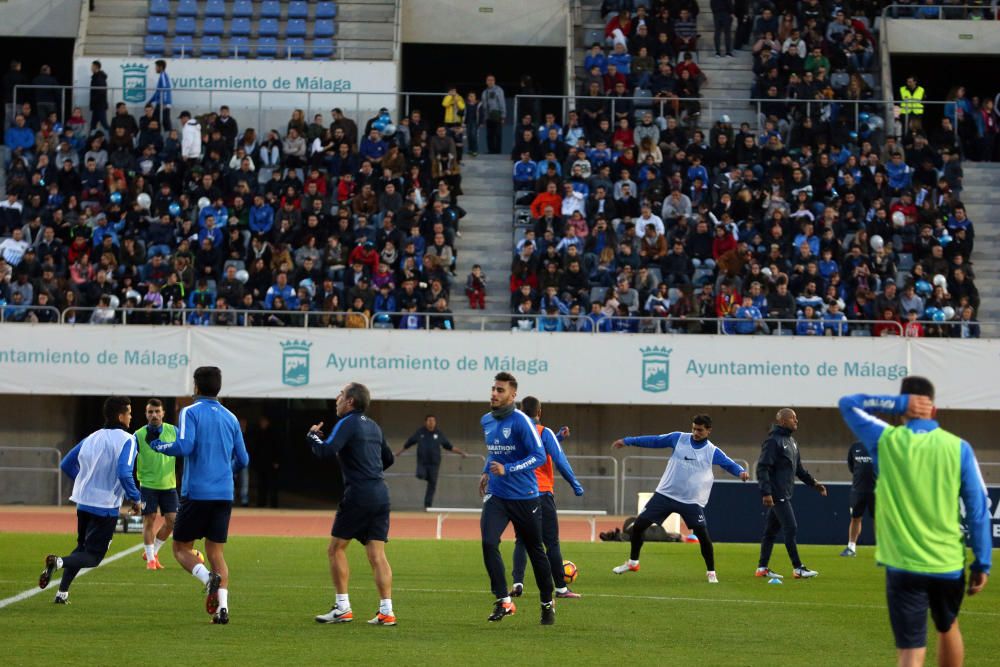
x=163, y=499
x=860, y=501
x=526, y=515
x=910, y=596
x=203, y=518
x=660, y=507
x=94, y=532
x=363, y=513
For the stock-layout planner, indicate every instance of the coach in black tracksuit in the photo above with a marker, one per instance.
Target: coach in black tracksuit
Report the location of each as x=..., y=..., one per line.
x=429, y=441
x=862, y=467
x=777, y=468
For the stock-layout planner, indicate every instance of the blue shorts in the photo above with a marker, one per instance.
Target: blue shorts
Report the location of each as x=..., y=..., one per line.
x=163, y=499
x=660, y=507
x=911, y=595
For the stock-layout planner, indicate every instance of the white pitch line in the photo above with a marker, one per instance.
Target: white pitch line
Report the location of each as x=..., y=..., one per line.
x=31, y=592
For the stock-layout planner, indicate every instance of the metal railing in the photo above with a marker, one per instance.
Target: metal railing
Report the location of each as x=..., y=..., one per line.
x=6, y=466
x=252, y=49
x=122, y=315
x=941, y=12
x=15, y=313
x=598, y=462
x=405, y=483
x=627, y=478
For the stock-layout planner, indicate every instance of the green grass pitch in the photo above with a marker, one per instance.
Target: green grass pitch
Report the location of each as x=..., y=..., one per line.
x=122, y=614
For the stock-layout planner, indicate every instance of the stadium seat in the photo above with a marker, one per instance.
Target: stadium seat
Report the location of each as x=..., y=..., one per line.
x=239, y=27
x=298, y=9
x=187, y=8
x=295, y=47
x=322, y=48
x=183, y=46
x=156, y=25
x=295, y=28
x=593, y=35
x=243, y=9
x=154, y=45
x=159, y=7
x=267, y=28
x=267, y=47
x=240, y=46
x=211, y=46
x=215, y=8
x=326, y=9
x=213, y=26
x=324, y=28
x=185, y=25
x=270, y=9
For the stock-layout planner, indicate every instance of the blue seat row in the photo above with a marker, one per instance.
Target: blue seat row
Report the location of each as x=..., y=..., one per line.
x=213, y=46
x=241, y=27
x=269, y=9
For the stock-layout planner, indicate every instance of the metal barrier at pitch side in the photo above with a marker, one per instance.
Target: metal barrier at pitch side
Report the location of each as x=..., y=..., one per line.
x=9, y=464
x=408, y=491
x=627, y=478
x=595, y=470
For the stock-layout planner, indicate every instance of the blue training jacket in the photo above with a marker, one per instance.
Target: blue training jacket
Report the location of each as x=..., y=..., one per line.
x=514, y=442
x=210, y=440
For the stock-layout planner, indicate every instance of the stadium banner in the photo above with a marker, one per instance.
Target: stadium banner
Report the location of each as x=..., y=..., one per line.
x=88, y=360
x=458, y=366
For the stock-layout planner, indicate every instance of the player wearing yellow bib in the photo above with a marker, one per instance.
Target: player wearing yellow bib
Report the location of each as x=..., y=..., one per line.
x=157, y=482
x=925, y=476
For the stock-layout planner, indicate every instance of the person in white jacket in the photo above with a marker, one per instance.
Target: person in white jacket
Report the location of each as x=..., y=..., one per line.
x=190, y=137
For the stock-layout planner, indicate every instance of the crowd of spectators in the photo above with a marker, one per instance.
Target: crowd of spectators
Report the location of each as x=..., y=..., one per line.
x=210, y=223
x=820, y=221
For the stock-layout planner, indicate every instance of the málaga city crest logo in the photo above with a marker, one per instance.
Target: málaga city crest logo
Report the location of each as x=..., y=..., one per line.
x=295, y=362
x=655, y=368
x=134, y=82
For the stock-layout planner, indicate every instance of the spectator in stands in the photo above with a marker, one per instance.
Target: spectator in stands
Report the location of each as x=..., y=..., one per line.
x=495, y=110
x=98, y=97
x=162, y=99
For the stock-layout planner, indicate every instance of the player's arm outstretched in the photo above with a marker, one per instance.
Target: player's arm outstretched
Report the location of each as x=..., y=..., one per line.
x=857, y=410
x=732, y=467
x=187, y=426
x=551, y=443
x=649, y=441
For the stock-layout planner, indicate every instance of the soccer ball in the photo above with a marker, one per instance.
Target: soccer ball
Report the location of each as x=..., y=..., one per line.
x=569, y=571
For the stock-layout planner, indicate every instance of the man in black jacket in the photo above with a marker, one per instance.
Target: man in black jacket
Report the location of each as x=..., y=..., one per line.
x=862, y=467
x=429, y=440
x=98, y=97
x=777, y=468
x=722, y=16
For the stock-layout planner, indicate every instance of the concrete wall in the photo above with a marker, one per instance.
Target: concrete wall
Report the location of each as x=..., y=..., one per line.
x=954, y=38
x=499, y=22
x=40, y=18
x=34, y=422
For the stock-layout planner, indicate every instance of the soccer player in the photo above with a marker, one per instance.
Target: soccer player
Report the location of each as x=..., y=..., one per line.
x=862, y=468
x=363, y=514
x=429, y=441
x=510, y=495
x=101, y=469
x=778, y=466
x=157, y=482
x=684, y=488
x=211, y=441
x=925, y=474
x=550, y=519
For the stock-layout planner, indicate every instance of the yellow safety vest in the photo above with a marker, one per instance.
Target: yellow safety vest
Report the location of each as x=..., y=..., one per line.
x=916, y=108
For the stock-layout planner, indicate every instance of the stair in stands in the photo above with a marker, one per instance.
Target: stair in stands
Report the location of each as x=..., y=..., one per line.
x=981, y=198
x=727, y=77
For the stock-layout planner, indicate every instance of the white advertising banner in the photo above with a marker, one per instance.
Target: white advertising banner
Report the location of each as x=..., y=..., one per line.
x=459, y=366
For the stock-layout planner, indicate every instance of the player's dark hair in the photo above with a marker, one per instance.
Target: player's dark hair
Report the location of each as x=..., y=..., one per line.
x=359, y=395
x=504, y=376
x=531, y=406
x=155, y=402
x=114, y=407
x=430, y=415
x=919, y=386
x=207, y=381
x=702, y=420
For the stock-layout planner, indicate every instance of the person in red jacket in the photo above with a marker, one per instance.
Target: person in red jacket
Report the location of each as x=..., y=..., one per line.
x=367, y=255
x=722, y=242
x=548, y=198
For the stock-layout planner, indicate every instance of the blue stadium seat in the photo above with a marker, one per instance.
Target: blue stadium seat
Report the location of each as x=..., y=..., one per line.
x=184, y=25
x=243, y=9
x=295, y=28
x=183, y=47
x=270, y=9
x=187, y=8
x=326, y=9
x=322, y=48
x=298, y=9
x=213, y=25
x=215, y=8
x=295, y=47
x=211, y=46
x=267, y=28
x=324, y=28
x=239, y=27
x=156, y=25
x=159, y=7
x=267, y=47
x=240, y=46
x=154, y=45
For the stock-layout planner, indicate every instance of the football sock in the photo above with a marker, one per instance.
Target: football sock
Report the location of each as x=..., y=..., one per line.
x=385, y=607
x=223, y=598
x=200, y=572
x=157, y=543
x=62, y=595
x=633, y=562
x=343, y=601
x=150, y=553
x=852, y=546
x=58, y=563
x=505, y=599
x=562, y=590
